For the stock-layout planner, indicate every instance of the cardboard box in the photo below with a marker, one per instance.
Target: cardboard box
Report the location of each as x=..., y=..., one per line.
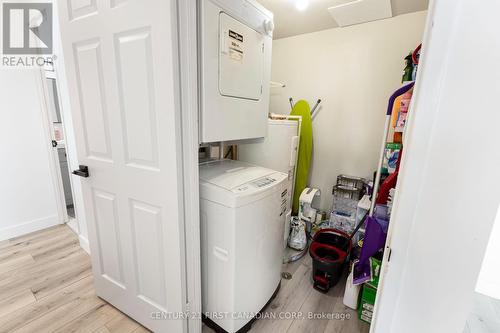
x=367, y=303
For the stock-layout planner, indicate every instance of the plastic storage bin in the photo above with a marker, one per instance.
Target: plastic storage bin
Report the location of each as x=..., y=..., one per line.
x=342, y=191
x=351, y=181
x=342, y=222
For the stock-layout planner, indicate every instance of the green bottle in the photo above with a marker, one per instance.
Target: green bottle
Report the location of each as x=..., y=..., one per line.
x=407, y=73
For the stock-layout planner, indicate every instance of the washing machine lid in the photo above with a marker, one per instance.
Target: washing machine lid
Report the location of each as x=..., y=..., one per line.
x=230, y=174
x=235, y=184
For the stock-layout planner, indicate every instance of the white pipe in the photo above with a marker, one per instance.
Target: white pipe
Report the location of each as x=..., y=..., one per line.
x=275, y=116
x=274, y=84
x=380, y=162
x=221, y=150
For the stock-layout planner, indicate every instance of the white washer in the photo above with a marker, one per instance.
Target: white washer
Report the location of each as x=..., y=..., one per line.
x=241, y=209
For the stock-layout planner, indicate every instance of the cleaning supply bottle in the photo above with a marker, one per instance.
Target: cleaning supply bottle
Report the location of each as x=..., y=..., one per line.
x=351, y=293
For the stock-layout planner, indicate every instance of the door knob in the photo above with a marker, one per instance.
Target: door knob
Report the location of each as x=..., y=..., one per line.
x=83, y=171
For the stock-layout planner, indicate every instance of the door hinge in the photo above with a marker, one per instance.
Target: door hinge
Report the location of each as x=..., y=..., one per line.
x=389, y=255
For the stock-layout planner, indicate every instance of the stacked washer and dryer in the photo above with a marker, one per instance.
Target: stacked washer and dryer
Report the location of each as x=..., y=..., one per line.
x=241, y=205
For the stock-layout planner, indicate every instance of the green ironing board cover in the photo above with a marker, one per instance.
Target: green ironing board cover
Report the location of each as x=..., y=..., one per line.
x=301, y=108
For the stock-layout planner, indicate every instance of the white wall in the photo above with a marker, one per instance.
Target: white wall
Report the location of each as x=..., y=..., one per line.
x=27, y=91
x=354, y=70
x=27, y=194
x=489, y=278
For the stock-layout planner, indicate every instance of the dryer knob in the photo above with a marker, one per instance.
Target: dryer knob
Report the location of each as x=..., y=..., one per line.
x=269, y=27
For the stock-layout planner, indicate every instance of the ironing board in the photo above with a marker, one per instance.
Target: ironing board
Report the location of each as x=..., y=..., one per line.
x=301, y=108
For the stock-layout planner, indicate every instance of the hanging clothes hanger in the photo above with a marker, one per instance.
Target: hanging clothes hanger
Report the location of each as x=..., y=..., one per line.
x=313, y=110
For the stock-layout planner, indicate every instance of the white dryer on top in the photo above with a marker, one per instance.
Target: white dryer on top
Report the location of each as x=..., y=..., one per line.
x=235, y=66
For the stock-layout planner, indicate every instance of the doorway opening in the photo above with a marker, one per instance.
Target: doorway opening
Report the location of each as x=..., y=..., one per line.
x=59, y=144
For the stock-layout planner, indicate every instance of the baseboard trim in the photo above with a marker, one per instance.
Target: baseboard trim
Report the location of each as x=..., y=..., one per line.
x=28, y=227
x=73, y=224
x=84, y=243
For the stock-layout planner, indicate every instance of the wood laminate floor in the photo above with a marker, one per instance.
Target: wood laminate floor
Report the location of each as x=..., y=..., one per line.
x=297, y=296
x=46, y=285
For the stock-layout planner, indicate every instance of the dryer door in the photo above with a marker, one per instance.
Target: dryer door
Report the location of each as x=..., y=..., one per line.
x=240, y=59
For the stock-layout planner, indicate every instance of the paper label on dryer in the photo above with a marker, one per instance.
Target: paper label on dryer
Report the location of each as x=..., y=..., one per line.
x=235, y=42
x=236, y=36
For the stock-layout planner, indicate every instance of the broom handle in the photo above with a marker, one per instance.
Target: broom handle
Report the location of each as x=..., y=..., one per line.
x=357, y=227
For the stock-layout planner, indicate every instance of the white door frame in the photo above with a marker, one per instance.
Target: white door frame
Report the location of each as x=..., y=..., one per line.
x=55, y=172
x=43, y=75
x=187, y=24
x=60, y=193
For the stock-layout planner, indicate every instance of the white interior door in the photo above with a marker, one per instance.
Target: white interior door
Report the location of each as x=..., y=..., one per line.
x=119, y=58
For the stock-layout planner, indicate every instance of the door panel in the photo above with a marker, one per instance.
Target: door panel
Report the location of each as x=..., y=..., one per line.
x=148, y=255
x=135, y=75
x=119, y=62
x=108, y=241
x=79, y=8
x=88, y=67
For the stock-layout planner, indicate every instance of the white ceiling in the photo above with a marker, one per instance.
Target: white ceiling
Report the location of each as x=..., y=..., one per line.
x=290, y=22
